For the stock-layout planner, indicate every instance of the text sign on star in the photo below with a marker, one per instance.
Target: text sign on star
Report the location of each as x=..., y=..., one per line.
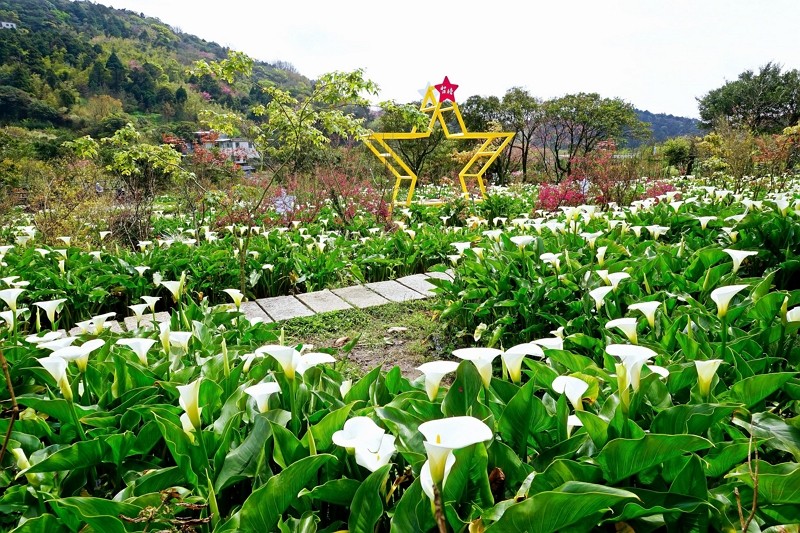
x=446, y=90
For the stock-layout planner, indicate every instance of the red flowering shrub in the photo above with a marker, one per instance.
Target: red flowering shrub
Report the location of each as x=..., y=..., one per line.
x=657, y=188
x=568, y=192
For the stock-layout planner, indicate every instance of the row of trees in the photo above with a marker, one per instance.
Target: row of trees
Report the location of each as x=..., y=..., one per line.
x=550, y=134
x=747, y=119
x=766, y=101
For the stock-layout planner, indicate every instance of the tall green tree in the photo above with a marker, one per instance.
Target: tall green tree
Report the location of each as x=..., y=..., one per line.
x=116, y=72
x=489, y=113
x=415, y=152
x=764, y=102
x=524, y=115
x=574, y=124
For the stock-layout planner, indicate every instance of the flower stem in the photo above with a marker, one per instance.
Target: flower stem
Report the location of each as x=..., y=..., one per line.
x=76, y=420
x=725, y=342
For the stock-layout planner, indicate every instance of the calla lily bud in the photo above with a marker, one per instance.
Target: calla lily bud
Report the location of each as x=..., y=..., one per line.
x=190, y=402
x=706, y=370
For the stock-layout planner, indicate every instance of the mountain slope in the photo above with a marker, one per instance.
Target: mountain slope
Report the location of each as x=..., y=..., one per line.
x=76, y=64
x=666, y=126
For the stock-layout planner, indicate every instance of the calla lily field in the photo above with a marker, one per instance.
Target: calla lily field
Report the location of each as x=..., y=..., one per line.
x=625, y=368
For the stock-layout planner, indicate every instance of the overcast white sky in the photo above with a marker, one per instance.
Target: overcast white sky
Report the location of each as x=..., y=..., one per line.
x=658, y=55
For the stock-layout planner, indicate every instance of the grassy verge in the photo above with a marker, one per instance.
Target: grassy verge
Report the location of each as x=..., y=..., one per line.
x=380, y=342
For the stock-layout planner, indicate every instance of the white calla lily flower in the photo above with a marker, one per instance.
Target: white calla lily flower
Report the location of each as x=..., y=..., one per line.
x=79, y=354
x=139, y=346
x=599, y=294
x=573, y=388
x=550, y=343
x=261, y=393
x=50, y=308
x=426, y=476
x=705, y=220
x=737, y=256
x=180, y=340
x=601, y=255
x=345, y=387
x=359, y=431
x=627, y=326
x=175, y=287
x=522, y=240
x=57, y=367
x=47, y=337
x=236, y=295
x=482, y=359
x=151, y=302
x=633, y=359
x=513, y=358
x=722, y=297
x=648, y=309
x=615, y=277
x=292, y=362
x=444, y=435
x=434, y=371
x=57, y=344
x=657, y=231
x=660, y=370
x=9, y=296
x=138, y=312
x=373, y=459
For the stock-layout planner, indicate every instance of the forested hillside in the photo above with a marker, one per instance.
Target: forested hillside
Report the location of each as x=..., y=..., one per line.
x=666, y=126
x=82, y=68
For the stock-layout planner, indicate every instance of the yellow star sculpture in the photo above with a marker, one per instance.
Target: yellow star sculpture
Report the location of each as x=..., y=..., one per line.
x=475, y=168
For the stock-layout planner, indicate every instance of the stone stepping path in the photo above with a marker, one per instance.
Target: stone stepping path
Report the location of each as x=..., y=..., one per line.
x=407, y=288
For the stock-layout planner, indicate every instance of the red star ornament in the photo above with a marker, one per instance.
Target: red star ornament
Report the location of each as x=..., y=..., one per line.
x=446, y=90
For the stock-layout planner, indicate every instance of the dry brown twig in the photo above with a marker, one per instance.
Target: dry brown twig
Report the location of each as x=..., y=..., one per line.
x=14, y=406
x=752, y=454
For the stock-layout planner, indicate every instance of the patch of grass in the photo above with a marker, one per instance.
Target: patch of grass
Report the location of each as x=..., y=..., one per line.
x=376, y=345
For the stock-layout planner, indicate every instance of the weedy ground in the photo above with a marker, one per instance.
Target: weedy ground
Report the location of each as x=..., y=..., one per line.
x=403, y=334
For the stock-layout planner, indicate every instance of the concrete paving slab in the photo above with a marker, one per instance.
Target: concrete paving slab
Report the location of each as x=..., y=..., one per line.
x=418, y=282
x=163, y=316
x=131, y=323
x=323, y=301
x=394, y=291
x=360, y=296
x=284, y=307
x=114, y=326
x=252, y=311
